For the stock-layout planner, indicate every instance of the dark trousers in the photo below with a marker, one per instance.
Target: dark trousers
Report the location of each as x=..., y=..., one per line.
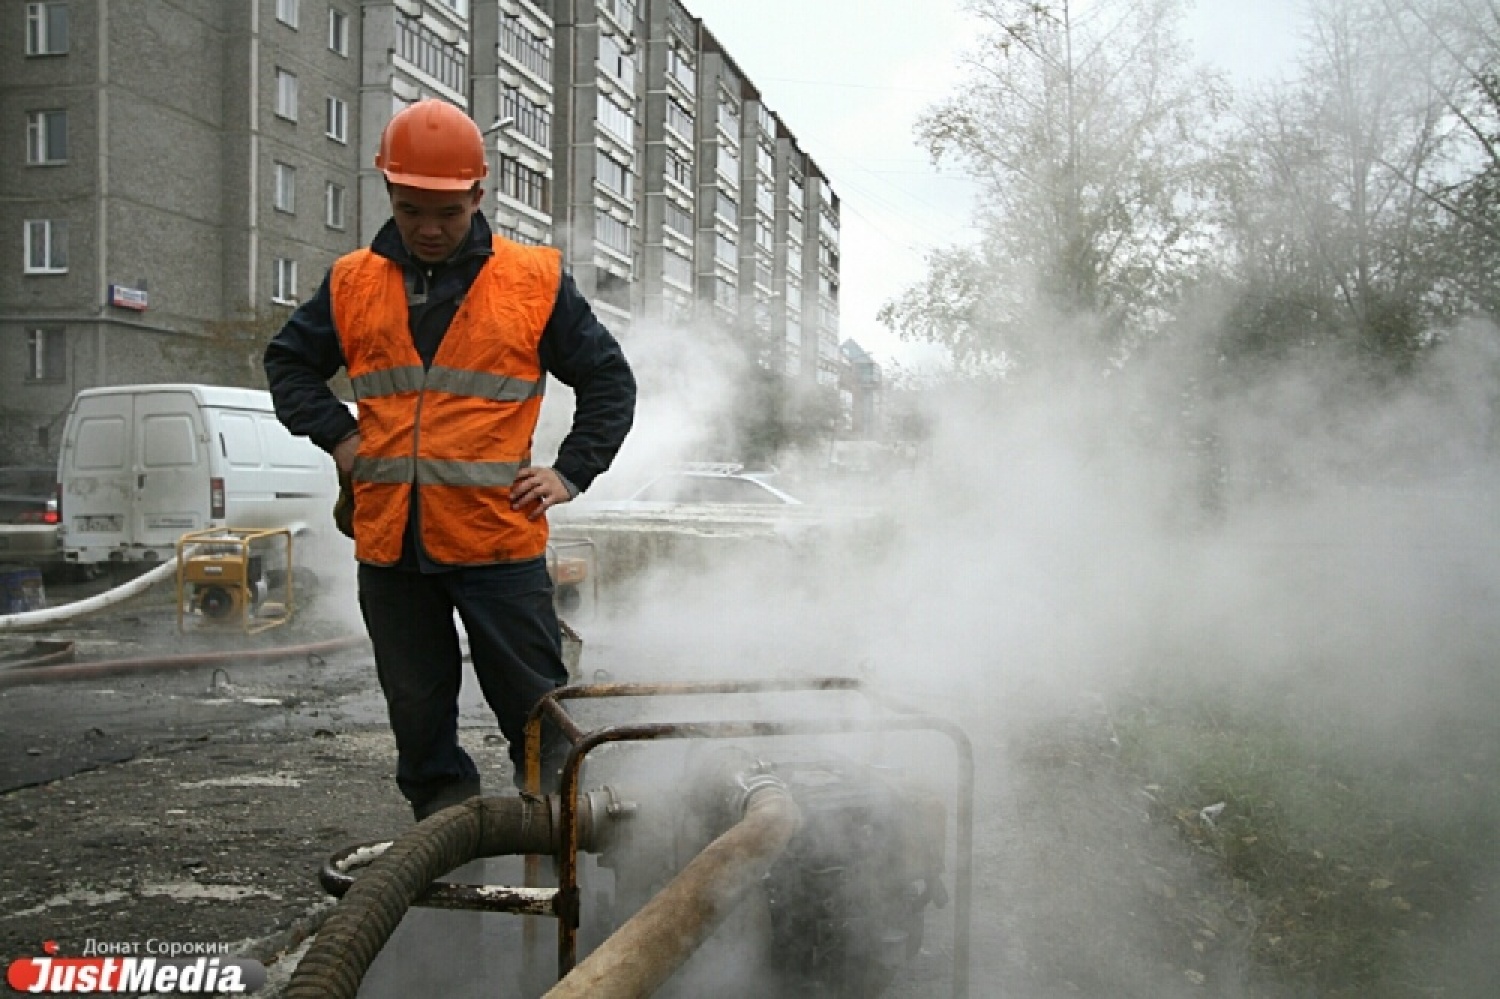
x=514, y=642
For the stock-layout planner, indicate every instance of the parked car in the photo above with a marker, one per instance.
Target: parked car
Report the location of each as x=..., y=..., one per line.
x=695, y=491
x=713, y=483
x=28, y=517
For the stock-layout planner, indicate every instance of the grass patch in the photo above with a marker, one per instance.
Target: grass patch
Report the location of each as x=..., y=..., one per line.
x=1361, y=852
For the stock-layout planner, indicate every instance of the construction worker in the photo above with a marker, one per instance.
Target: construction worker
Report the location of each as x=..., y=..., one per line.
x=448, y=333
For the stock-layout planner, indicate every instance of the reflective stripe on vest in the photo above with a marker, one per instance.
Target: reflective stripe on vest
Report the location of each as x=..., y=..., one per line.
x=436, y=473
x=459, y=431
x=501, y=388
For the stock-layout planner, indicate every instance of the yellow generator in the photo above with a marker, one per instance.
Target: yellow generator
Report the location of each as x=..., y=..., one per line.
x=221, y=578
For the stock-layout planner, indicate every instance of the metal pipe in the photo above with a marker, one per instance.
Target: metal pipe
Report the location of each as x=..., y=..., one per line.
x=652, y=944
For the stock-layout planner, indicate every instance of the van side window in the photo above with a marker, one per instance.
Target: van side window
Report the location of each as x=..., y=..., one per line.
x=169, y=440
x=101, y=443
x=240, y=442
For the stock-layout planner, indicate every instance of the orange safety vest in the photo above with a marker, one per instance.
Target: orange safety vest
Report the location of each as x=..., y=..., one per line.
x=458, y=431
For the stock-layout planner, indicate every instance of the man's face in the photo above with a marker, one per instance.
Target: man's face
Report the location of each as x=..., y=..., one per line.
x=433, y=223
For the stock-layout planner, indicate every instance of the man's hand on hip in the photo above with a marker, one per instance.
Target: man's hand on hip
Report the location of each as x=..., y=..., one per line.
x=536, y=490
x=344, y=452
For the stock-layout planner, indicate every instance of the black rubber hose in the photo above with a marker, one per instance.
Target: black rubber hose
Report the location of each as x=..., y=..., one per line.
x=351, y=938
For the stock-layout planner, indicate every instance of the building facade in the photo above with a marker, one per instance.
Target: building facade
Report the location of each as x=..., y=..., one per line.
x=192, y=167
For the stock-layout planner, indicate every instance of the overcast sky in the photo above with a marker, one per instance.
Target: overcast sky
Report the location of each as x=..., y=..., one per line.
x=849, y=77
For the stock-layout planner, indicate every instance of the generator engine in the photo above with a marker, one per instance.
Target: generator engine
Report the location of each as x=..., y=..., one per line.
x=224, y=585
x=838, y=913
x=847, y=899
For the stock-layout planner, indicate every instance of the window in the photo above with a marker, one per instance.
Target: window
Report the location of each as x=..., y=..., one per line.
x=338, y=120
x=285, y=291
x=286, y=95
x=762, y=312
x=46, y=29
x=427, y=52
x=727, y=208
x=615, y=59
x=679, y=169
x=725, y=249
x=530, y=118
x=613, y=175
x=729, y=115
x=613, y=233
x=729, y=162
x=46, y=246
x=679, y=121
x=46, y=137
x=338, y=31
x=46, y=359
x=286, y=12
x=525, y=47
x=333, y=206
x=623, y=11
x=286, y=188
x=679, y=218
x=616, y=120
x=515, y=235
x=677, y=268
x=522, y=183
x=680, y=67
x=724, y=292
x=765, y=199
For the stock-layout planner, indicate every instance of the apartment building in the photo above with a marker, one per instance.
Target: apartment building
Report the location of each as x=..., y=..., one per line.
x=192, y=167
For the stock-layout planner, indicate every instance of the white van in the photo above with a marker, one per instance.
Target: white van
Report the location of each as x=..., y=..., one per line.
x=142, y=465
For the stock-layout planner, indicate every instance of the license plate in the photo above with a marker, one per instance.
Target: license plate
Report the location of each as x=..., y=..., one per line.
x=95, y=525
x=171, y=522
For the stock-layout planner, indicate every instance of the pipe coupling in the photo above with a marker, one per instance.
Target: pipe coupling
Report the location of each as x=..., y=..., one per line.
x=752, y=782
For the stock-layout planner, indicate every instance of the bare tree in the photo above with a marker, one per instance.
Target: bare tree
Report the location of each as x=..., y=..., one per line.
x=1462, y=38
x=1336, y=212
x=1091, y=136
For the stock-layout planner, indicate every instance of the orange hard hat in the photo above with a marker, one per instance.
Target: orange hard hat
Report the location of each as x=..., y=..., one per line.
x=432, y=145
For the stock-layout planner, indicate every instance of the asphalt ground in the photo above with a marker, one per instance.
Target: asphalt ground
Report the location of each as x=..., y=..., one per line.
x=183, y=783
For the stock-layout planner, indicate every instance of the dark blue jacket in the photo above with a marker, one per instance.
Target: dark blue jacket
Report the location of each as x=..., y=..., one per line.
x=575, y=348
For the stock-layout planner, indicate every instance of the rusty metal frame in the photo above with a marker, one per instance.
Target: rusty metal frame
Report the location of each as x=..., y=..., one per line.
x=240, y=542
x=566, y=901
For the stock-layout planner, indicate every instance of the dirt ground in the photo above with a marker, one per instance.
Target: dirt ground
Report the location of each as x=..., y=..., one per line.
x=197, y=805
